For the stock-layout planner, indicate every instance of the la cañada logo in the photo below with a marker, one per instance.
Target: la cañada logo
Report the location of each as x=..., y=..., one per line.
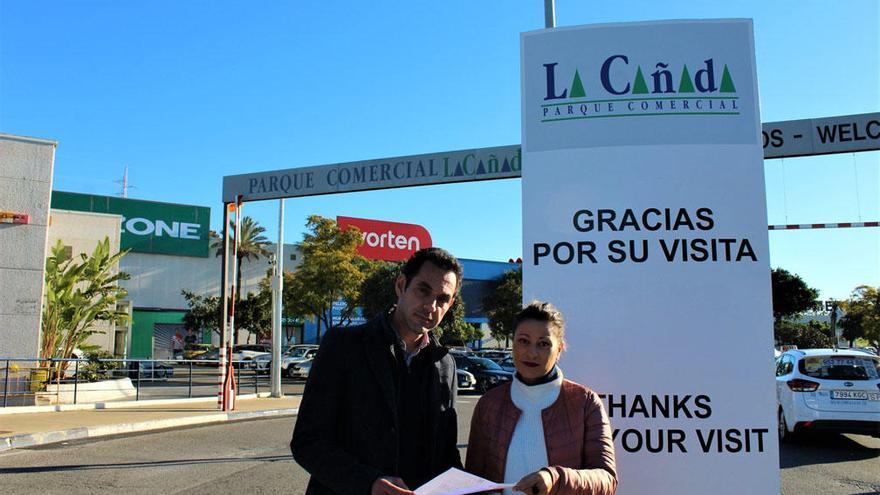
x=621, y=89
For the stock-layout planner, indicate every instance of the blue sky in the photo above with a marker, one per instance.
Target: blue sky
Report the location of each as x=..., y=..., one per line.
x=184, y=93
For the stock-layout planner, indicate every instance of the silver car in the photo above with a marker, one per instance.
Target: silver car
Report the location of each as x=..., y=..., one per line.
x=298, y=354
x=300, y=369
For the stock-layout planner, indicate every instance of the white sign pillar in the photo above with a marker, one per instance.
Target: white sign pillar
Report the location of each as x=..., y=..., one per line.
x=645, y=223
x=278, y=304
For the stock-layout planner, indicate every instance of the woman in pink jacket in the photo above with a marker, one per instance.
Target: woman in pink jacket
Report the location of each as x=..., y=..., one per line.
x=547, y=434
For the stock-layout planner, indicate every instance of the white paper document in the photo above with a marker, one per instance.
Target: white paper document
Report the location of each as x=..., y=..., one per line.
x=457, y=482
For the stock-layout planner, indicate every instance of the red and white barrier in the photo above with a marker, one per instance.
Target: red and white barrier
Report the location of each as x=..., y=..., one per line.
x=844, y=225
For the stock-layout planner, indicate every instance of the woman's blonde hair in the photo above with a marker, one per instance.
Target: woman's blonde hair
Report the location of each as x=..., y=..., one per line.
x=544, y=312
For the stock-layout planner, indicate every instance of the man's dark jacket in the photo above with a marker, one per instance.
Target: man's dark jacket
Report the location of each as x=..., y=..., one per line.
x=346, y=432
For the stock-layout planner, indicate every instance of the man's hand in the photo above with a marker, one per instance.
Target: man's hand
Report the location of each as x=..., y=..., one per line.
x=389, y=485
x=537, y=483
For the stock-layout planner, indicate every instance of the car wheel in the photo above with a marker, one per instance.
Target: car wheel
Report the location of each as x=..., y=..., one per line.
x=482, y=386
x=289, y=372
x=782, y=427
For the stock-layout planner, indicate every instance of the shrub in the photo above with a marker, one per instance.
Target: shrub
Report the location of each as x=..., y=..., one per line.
x=96, y=369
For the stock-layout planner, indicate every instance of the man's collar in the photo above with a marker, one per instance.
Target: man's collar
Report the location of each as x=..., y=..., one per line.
x=423, y=341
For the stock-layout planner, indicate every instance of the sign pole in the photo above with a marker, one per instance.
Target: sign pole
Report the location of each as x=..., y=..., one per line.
x=277, y=304
x=224, y=299
x=549, y=14
x=229, y=384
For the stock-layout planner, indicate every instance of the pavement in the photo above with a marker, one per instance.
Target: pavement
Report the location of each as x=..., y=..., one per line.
x=22, y=427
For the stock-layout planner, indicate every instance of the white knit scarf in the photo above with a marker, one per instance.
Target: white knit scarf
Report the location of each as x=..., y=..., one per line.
x=528, y=451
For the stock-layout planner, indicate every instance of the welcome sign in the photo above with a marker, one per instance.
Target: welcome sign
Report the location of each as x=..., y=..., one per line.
x=645, y=222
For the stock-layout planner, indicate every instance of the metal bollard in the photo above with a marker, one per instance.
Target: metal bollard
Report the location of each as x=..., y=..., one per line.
x=75, y=380
x=137, y=394
x=6, y=384
x=237, y=378
x=190, y=379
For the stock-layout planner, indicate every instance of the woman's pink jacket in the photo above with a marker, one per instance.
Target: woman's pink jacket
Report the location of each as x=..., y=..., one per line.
x=577, y=435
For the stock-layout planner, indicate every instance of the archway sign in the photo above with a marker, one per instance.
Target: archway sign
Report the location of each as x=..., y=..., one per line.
x=791, y=138
x=651, y=156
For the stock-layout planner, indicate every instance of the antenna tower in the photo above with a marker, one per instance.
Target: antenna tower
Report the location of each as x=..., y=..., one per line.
x=124, y=182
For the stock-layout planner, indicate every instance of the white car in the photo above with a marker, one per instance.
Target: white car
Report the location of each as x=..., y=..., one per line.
x=247, y=352
x=298, y=354
x=262, y=363
x=293, y=354
x=828, y=390
x=466, y=381
x=300, y=369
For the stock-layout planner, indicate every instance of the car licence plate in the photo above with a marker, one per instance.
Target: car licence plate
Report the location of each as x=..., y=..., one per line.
x=854, y=395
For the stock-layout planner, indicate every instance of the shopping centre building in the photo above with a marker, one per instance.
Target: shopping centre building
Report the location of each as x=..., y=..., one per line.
x=170, y=251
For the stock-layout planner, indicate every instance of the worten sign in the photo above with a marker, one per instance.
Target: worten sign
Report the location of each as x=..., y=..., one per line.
x=389, y=241
x=643, y=217
x=148, y=226
x=842, y=134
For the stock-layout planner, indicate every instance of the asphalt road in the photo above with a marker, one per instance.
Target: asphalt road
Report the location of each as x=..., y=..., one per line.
x=830, y=465
x=253, y=457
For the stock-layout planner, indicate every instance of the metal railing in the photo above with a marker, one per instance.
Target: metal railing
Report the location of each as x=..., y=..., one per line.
x=32, y=381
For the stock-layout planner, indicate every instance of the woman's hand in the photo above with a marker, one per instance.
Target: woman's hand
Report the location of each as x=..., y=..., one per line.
x=537, y=483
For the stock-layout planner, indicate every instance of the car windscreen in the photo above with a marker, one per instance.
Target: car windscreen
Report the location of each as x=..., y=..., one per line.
x=299, y=352
x=840, y=367
x=487, y=364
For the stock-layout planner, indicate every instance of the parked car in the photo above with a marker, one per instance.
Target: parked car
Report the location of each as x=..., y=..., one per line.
x=190, y=351
x=300, y=369
x=207, y=358
x=242, y=354
x=149, y=371
x=262, y=363
x=298, y=354
x=507, y=364
x=828, y=390
x=496, y=355
x=486, y=372
x=466, y=381
x=299, y=350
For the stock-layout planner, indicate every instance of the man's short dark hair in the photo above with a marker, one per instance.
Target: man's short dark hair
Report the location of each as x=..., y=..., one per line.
x=441, y=258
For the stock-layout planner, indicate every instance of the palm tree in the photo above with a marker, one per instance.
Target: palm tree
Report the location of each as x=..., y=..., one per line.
x=252, y=246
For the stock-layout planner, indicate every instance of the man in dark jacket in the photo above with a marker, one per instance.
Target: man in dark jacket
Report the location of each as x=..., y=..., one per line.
x=378, y=412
